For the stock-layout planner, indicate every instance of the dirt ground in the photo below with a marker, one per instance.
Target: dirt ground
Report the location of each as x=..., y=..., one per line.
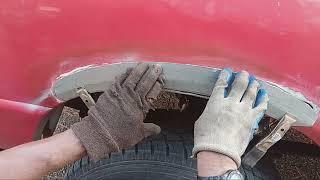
x=290, y=165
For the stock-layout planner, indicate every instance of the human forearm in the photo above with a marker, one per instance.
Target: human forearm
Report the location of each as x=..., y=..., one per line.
x=213, y=164
x=70, y=150
x=35, y=159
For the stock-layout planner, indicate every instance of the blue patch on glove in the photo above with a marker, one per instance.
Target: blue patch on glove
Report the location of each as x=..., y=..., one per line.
x=260, y=97
x=231, y=76
x=251, y=79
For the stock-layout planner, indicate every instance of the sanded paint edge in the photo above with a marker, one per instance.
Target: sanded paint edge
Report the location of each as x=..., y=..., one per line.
x=186, y=79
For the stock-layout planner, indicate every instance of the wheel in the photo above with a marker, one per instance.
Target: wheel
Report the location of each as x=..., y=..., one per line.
x=165, y=156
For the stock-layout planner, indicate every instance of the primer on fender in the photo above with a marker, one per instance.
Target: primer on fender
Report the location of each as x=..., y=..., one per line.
x=186, y=79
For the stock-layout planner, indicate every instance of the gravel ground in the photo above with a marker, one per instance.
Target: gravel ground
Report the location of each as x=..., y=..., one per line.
x=290, y=166
x=68, y=117
x=296, y=166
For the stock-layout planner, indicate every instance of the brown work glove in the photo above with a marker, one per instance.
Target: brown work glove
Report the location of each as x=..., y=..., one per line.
x=116, y=121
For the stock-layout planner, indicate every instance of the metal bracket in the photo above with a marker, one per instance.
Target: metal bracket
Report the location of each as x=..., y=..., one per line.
x=260, y=149
x=86, y=97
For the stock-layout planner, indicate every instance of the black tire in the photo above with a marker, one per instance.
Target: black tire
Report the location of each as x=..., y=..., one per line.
x=166, y=156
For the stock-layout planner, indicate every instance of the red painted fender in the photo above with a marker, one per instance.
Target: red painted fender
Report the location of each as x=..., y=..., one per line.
x=19, y=122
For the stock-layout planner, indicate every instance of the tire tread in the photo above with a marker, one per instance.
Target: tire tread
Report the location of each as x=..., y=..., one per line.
x=170, y=147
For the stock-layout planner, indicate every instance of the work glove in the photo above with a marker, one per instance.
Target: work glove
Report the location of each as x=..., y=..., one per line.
x=116, y=121
x=227, y=123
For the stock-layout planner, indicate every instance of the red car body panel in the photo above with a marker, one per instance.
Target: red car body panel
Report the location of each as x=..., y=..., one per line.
x=41, y=39
x=19, y=122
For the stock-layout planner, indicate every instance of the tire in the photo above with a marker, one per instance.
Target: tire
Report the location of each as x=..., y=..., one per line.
x=165, y=156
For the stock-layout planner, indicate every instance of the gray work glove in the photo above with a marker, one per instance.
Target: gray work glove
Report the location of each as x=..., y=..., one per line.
x=116, y=121
x=228, y=121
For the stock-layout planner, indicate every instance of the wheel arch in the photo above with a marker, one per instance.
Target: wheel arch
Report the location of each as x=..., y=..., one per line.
x=191, y=80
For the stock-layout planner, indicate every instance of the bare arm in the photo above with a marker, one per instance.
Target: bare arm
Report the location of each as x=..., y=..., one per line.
x=214, y=164
x=36, y=159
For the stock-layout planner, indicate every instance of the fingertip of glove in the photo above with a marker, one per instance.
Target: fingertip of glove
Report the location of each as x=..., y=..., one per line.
x=226, y=75
x=156, y=129
x=227, y=72
x=242, y=77
x=253, y=81
x=158, y=68
x=162, y=79
x=151, y=129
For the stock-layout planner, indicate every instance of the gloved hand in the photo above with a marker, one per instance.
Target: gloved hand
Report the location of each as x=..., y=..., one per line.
x=227, y=123
x=116, y=121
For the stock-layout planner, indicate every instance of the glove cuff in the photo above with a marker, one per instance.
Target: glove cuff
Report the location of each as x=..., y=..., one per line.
x=218, y=149
x=98, y=143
